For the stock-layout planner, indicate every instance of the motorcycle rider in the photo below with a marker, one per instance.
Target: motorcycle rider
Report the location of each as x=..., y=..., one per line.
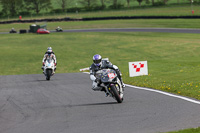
x=99, y=64
x=49, y=54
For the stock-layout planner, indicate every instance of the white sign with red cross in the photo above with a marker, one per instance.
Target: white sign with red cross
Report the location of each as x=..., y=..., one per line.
x=138, y=68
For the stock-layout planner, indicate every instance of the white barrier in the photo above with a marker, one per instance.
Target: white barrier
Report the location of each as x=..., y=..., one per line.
x=84, y=69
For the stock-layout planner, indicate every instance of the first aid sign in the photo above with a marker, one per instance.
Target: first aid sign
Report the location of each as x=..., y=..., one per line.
x=138, y=68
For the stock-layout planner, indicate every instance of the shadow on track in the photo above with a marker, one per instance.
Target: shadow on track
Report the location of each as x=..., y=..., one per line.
x=92, y=104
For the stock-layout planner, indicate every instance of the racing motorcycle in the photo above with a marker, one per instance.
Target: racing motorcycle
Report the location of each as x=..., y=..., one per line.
x=110, y=83
x=49, y=68
x=59, y=30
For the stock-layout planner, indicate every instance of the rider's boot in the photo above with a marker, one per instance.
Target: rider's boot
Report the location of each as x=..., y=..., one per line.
x=123, y=85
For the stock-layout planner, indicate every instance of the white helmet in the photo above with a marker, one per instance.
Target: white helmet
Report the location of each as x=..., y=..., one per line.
x=49, y=50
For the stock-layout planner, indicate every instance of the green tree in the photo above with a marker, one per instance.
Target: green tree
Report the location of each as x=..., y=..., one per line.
x=115, y=3
x=139, y=1
x=88, y=3
x=147, y=1
x=102, y=3
x=128, y=2
x=38, y=5
x=165, y=2
x=153, y=2
x=64, y=3
x=11, y=7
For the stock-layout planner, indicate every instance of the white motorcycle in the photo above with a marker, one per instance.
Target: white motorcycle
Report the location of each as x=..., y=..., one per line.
x=49, y=68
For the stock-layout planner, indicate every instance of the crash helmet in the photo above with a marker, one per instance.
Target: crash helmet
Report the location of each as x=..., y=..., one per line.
x=97, y=60
x=49, y=50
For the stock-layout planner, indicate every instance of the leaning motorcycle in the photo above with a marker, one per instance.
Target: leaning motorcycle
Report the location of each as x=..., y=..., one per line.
x=59, y=30
x=49, y=68
x=110, y=83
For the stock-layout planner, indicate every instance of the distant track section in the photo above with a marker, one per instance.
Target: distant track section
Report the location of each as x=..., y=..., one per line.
x=167, y=30
x=162, y=30
x=98, y=18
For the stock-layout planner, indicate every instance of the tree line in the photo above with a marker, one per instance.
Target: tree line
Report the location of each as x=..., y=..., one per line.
x=26, y=7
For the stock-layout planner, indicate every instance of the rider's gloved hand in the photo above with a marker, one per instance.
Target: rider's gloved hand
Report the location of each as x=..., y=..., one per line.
x=43, y=63
x=55, y=64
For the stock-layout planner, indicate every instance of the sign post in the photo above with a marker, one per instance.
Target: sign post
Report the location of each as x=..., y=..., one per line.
x=139, y=68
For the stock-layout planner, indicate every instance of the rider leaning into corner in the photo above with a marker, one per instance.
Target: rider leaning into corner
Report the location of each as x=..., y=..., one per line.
x=99, y=64
x=49, y=54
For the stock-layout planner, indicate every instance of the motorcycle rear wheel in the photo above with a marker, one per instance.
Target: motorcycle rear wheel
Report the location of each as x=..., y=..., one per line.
x=116, y=94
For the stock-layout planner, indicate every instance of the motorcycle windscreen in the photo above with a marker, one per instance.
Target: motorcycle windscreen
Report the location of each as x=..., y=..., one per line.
x=108, y=77
x=105, y=79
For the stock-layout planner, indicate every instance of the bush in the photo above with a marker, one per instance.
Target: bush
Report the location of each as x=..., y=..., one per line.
x=117, y=6
x=57, y=11
x=159, y=3
x=96, y=8
x=1, y=14
x=196, y=2
x=147, y=2
x=24, y=13
x=74, y=9
x=87, y=8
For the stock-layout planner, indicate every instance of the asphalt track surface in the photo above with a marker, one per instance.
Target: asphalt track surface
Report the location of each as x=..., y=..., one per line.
x=66, y=104
x=162, y=30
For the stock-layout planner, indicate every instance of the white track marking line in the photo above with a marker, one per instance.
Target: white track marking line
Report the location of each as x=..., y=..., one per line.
x=162, y=92
x=165, y=93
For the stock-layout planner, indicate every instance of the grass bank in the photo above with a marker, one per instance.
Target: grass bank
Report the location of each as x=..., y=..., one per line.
x=173, y=59
x=174, y=10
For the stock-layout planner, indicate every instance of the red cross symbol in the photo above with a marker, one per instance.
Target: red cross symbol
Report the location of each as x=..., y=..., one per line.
x=138, y=68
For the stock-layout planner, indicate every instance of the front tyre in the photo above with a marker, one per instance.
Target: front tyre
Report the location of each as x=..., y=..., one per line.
x=48, y=76
x=116, y=94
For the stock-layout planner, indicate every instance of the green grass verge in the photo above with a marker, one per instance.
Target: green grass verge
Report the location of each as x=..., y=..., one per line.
x=173, y=59
x=138, y=23
x=194, y=130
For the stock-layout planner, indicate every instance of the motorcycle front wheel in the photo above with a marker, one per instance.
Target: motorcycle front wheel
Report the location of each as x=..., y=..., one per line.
x=48, y=76
x=116, y=94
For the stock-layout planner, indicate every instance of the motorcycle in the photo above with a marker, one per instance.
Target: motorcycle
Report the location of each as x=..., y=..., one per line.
x=110, y=83
x=13, y=31
x=49, y=68
x=59, y=30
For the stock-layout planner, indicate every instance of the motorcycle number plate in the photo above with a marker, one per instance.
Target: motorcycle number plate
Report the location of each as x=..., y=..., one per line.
x=111, y=75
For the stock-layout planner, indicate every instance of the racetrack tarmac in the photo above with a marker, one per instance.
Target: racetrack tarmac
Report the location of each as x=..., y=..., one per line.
x=162, y=30
x=166, y=30
x=66, y=104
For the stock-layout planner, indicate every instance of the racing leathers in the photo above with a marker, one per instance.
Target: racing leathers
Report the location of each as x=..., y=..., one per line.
x=49, y=56
x=105, y=64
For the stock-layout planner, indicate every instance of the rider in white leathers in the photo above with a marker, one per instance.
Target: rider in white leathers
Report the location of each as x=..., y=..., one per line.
x=49, y=54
